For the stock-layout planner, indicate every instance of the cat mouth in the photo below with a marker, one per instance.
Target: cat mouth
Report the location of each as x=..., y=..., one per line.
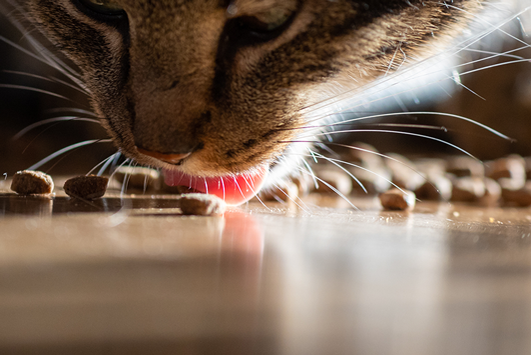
x=235, y=189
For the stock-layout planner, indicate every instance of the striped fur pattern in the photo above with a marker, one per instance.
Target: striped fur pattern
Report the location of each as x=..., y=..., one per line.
x=204, y=77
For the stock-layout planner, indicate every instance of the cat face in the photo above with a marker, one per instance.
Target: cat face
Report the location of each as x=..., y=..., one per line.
x=216, y=87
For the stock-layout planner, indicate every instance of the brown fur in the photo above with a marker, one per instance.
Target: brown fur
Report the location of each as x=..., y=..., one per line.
x=177, y=77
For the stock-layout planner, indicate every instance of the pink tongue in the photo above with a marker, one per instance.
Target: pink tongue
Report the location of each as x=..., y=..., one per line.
x=235, y=189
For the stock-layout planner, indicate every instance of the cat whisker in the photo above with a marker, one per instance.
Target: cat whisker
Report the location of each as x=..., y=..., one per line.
x=464, y=45
x=49, y=79
x=403, y=125
x=496, y=65
x=72, y=109
x=206, y=185
x=29, y=88
x=52, y=120
x=46, y=55
x=493, y=55
x=46, y=62
x=494, y=27
x=223, y=188
x=255, y=192
x=302, y=205
x=331, y=160
x=337, y=161
x=66, y=150
x=127, y=160
x=388, y=131
x=390, y=66
x=443, y=114
x=385, y=156
x=104, y=165
x=311, y=172
x=341, y=195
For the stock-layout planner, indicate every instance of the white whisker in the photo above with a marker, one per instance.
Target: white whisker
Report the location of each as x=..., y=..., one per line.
x=29, y=88
x=331, y=160
x=65, y=150
x=333, y=189
x=396, y=132
x=52, y=120
x=48, y=79
x=105, y=162
x=463, y=118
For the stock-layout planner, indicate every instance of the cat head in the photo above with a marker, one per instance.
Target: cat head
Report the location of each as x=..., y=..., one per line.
x=216, y=87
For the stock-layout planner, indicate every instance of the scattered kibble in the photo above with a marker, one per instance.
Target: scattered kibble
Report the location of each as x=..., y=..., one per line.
x=492, y=193
x=404, y=172
x=435, y=188
x=202, y=205
x=464, y=166
x=467, y=189
x=334, y=181
x=285, y=192
x=138, y=177
x=28, y=182
x=517, y=196
x=87, y=187
x=511, y=167
x=396, y=199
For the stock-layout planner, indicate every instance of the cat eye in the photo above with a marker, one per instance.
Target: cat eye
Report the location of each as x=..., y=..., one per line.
x=104, y=7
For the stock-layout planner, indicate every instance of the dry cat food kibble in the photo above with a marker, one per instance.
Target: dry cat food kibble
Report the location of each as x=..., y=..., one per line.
x=438, y=188
x=404, y=172
x=512, y=167
x=202, y=205
x=87, y=187
x=28, y=182
x=333, y=181
x=467, y=189
x=286, y=192
x=465, y=166
x=396, y=199
x=138, y=177
x=520, y=196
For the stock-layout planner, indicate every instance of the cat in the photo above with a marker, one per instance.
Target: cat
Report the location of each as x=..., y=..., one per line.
x=242, y=89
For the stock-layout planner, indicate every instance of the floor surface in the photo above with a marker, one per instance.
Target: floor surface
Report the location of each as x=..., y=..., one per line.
x=131, y=276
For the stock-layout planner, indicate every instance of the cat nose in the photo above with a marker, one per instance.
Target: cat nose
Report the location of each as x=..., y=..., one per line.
x=168, y=158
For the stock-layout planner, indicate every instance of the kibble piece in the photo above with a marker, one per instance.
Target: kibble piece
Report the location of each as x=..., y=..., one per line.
x=468, y=189
x=202, y=205
x=333, y=181
x=404, y=172
x=305, y=184
x=465, y=166
x=512, y=167
x=438, y=188
x=396, y=199
x=138, y=177
x=527, y=161
x=86, y=187
x=284, y=192
x=517, y=196
x=28, y=182
x=492, y=193
x=363, y=154
x=375, y=180
x=431, y=167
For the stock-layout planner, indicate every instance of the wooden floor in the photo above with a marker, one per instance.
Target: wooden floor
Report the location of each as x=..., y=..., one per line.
x=131, y=276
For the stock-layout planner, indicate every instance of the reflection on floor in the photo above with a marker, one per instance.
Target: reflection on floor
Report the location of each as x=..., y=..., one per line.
x=132, y=276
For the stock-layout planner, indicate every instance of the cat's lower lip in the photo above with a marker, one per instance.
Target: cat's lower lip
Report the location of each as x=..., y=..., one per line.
x=234, y=189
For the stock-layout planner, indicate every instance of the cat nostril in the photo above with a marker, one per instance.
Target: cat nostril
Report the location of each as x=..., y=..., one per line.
x=175, y=159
